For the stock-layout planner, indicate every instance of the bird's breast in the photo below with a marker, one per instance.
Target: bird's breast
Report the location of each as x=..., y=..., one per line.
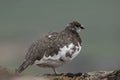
x=64, y=55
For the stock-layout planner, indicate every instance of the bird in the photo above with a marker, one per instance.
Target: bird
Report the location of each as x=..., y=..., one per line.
x=55, y=48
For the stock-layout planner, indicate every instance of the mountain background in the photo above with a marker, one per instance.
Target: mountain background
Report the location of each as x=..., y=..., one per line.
x=23, y=21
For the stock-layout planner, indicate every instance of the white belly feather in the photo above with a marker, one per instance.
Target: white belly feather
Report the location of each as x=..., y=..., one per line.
x=55, y=60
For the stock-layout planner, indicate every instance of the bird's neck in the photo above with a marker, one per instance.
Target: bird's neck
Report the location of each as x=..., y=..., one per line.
x=73, y=32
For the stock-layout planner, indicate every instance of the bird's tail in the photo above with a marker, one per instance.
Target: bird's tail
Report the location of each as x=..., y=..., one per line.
x=24, y=65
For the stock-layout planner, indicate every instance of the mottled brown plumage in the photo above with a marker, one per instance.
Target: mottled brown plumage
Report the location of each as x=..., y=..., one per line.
x=50, y=44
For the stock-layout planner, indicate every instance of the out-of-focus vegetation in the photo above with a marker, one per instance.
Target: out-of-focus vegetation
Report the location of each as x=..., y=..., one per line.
x=23, y=21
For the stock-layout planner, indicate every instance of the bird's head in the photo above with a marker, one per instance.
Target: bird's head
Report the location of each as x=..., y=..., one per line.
x=75, y=26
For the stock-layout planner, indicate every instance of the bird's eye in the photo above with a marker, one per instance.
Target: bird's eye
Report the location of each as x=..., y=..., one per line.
x=77, y=25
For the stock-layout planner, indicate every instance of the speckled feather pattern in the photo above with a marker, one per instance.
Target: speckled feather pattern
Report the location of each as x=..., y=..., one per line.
x=65, y=53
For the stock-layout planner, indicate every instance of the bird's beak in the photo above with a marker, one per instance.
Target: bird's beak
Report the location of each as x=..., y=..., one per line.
x=82, y=27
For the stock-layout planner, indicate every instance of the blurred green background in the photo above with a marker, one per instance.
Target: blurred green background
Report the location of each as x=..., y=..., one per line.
x=23, y=21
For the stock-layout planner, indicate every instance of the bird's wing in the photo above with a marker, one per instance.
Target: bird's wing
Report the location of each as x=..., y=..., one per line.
x=37, y=50
x=47, y=45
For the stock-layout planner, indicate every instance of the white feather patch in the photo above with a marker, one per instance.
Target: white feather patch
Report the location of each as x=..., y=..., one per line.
x=50, y=36
x=54, y=60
